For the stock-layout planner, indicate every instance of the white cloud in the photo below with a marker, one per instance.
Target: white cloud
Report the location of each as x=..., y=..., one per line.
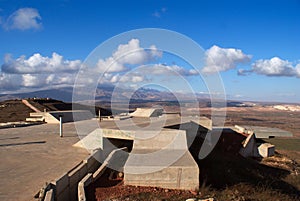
x=20, y=82
x=24, y=19
x=31, y=80
x=127, y=78
x=37, y=72
x=273, y=67
x=298, y=70
x=223, y=59
x=162, y=69
x=128, y=54
x=39, y=64
x=9, y=81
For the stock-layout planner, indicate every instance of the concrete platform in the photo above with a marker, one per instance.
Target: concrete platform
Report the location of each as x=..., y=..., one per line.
x=32, y=155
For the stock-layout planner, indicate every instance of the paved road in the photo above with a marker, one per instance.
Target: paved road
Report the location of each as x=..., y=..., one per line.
x=32, y=155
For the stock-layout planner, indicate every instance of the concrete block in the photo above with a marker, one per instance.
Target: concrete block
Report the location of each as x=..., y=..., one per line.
x=49, y=195
x=166, y=139
x=183, y=174
x=266, y=150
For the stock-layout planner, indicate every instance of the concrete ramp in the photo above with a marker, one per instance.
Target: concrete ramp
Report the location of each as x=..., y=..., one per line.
x=162, y=160
x=25, y=102
x=147, y=112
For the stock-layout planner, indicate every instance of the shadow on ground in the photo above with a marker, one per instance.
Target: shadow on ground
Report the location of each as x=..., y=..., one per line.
x=221, y=170
x=22, y=143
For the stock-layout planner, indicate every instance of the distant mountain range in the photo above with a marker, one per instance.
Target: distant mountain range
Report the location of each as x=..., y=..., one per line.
x=64, y=94
x=104, y=94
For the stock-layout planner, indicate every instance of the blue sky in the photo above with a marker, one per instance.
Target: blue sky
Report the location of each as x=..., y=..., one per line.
x=261, y=39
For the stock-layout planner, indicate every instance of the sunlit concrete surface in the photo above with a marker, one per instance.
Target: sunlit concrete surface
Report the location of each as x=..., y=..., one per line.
x=32, y=155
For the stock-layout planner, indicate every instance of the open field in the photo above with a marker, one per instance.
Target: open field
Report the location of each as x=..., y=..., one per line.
x=260, y=116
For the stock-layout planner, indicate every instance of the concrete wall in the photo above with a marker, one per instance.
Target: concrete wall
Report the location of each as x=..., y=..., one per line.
x=116, y=159
x=72, y=115
x=249, y=148
x=172, y=177
x=70, y=186
x=165, y=139
x=162, y=160
x=182, y=174
x=67, y=116
x=65, y=187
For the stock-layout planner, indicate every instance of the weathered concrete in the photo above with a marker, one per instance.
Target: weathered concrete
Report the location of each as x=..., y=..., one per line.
x=87, y=180
x=52, y=117
x=183, y=174
x=66, y=186
x=249, y=147
x=50, y=195
x=115, y=160
x=32, y=155
x=147, y=112
x=266, y=150
x=162, y=160
x=264, y=132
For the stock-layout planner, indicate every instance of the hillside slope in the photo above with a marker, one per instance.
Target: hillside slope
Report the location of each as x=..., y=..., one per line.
x=15, y=110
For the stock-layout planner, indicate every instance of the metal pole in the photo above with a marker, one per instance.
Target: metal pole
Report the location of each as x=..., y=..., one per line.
x=99, y=115
x=60, y=127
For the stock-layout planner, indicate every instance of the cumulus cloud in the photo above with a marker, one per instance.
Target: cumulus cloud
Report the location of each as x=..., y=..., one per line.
x=37, y=72
x=24, y=19
x=9, y=81
x=223, y=59
x=275, y=67
x=128, y=54
x=20, y=82
x=39, y=64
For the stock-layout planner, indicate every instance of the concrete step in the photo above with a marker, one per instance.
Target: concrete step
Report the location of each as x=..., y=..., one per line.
x=35, y=119
x=36, y=114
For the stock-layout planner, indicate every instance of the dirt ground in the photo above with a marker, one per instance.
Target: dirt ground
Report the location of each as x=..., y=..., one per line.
x=107, y=190
x=13, y=110
x=223, y=177
x=260, y=116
